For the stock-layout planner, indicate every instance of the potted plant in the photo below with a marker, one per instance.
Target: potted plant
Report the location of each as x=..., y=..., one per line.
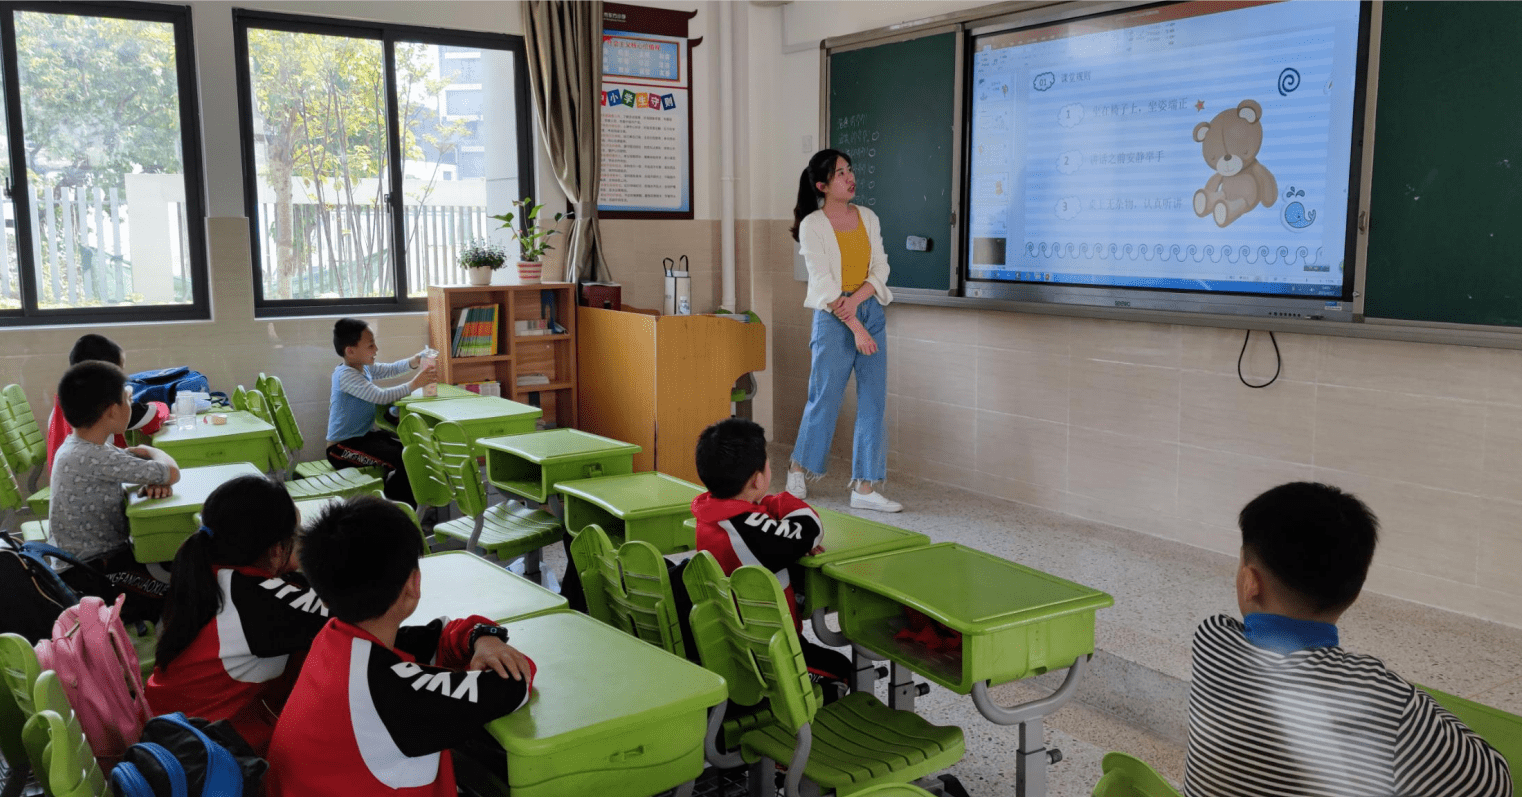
x=533, y=240
x=480, y=258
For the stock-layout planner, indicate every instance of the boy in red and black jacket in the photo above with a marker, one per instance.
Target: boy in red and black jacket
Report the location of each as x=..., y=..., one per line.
x=378, y=707
x=741, y=525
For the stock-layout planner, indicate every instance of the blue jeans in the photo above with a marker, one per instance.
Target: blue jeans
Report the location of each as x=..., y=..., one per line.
x=834, y=358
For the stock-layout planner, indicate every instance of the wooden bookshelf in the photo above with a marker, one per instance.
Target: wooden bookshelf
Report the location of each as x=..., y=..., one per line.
x=553, y=355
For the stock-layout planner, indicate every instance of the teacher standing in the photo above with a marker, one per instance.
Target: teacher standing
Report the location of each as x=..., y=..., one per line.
x=842, y=244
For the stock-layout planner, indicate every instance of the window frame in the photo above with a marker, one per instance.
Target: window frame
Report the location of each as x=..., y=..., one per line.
x=187, y=90
x=389, y=34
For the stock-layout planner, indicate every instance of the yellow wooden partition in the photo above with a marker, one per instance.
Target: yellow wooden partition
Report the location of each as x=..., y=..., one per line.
x=659, y=381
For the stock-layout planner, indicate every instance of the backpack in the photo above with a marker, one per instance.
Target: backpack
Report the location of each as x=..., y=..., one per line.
x=34, y=594
x=181, y=757
x=163, y=384
x=98, y=667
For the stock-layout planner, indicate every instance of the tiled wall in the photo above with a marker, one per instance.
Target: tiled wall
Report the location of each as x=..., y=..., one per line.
x=1147, y=426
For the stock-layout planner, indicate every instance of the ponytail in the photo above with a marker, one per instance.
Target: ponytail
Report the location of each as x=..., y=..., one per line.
x=241, y=522
x=821, y=167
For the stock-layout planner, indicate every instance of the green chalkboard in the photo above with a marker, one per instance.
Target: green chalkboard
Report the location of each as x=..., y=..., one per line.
x=891, y=110
x=1445, y=213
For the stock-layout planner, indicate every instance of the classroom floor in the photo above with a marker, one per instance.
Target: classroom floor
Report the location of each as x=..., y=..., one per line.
x=1135, y=697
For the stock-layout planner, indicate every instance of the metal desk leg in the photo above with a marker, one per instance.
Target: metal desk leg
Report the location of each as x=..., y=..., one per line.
x=834, y=639
x=1030, y=764
x=901, y=689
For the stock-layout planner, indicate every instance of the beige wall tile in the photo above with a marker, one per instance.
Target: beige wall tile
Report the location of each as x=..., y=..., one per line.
x=1433, y=591
x=1213, y=486
x=1503, y=451
x=1431, y=441
x=792, y=395
x=1274, y=422
x=934, y=371
x=1136, y=400
x=1044, y=496
x=1024, y=449
x=951, y=474
x=1424, y=368
x=1026, y=383
x=1420, y=529
x=1505, y=384
x=1209, y=536
x=942, y=432
x=1046, y=334
x=932, y=323
x=1132, y=475
x=1216, y=350
x=1126, y=342
x=1499, y=533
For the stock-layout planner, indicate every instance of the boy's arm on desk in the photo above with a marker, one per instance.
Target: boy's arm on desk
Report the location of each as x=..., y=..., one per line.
x=790, y=529
x=1436, y=753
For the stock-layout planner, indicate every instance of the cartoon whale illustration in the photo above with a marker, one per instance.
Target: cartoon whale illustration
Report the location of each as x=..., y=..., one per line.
x=1295, y=215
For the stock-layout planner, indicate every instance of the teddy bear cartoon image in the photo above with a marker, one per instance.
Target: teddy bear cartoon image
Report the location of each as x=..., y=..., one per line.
x=1230, y=144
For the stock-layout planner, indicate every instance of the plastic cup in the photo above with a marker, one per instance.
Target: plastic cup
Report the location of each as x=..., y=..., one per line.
x=430, y=356
x=185, y=411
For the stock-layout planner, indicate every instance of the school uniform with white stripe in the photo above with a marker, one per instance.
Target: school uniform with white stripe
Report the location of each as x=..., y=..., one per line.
x=1277, y=708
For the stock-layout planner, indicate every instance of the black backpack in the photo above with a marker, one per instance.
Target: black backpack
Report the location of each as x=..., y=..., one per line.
x=34, y=594
x=180, y=757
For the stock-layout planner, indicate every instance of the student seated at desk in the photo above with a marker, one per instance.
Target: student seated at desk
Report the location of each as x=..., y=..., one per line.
x=741, y=525
x=147, y=416
x=370, y=713
x=353, y=442
x=1277, y=707
x=237, y=619
x=87, y=515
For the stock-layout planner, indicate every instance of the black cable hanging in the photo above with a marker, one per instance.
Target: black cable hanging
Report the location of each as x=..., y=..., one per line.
x=1278, y=361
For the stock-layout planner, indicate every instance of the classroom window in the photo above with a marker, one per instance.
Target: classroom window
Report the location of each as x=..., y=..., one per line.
x=355, y=135
x=101, y=165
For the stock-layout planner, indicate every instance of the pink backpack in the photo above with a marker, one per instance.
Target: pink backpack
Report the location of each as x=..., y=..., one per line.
x=98, y=668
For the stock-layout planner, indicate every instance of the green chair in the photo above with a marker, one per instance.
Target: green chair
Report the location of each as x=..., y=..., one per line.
x=11, y=499
x=1501, y=729
x=628, y=588
x=744, y=632
x=23, y=446
x=507, y=530
x=56, y=744
x=411, y=429
x=1128, y=776
x=290, y=432
x=344, y=482
x=239, y=398
x=18, y=675
x=893, y=790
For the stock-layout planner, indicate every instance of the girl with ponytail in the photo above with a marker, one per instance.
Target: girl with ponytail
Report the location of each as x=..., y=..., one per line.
x=237, y=617
x=842, y=245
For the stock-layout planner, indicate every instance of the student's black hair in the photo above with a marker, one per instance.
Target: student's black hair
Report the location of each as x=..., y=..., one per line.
x=246, y=517
x=347, y=332
x=87, y=390
x=729, y=453
x=1314, y=538
x=95, y=347
x=358, y=554
x=820, y=169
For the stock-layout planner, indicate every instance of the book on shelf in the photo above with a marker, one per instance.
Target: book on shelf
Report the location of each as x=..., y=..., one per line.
x=478, y=331
x=547, y=313
x=525, y=380
x=524, y=327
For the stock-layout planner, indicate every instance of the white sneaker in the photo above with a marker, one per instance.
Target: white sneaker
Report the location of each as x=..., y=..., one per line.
x=797, y=485
x=874, y=500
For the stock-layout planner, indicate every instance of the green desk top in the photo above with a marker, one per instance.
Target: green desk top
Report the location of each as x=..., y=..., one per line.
x=965, y=589
x=459, y=584
x=850, y=537
x=634, y=496
x=190, y=492
x=446, y=391
x=240, y=424
x=475, y=408
x=553, y=445
x=594, y=679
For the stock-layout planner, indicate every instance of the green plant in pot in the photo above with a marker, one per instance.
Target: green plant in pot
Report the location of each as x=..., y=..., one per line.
x=533, y=240
x=480, y=258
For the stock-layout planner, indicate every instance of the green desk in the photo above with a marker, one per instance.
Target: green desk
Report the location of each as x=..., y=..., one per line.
x=479, y=416
x=1501, y=729
x=645, y=506
x=848, y=537
x=158, y=525
x=244, y=438
x=446, y=391
x=458, y=584
x=585, y=733
x=529, y=465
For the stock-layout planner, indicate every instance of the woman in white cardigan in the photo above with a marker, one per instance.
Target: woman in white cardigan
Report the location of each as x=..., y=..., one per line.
x=848, y=287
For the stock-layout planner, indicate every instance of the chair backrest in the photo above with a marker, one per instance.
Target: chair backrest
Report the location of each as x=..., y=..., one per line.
x=21, y=440
x=454, y=448
x=11, y=498
x=744, y=633
x=19, y=671
x=1128, y=776
x=412, y=516
x=65, y=762
x=12, y=717
x=259, y=406
x=413, y=428
x=628, y=588
x=240, y=398
x=425, y=473
x=280, y=408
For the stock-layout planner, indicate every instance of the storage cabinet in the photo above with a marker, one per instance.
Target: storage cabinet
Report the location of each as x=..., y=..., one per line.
x=537, y=369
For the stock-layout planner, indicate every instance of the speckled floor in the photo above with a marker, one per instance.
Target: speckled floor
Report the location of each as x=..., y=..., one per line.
x=1162, y=590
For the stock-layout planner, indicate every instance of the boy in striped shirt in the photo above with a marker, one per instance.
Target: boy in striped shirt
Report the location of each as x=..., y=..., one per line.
x=1277, y=708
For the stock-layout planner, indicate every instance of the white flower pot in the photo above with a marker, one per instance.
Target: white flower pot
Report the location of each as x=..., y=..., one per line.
x=479, y=276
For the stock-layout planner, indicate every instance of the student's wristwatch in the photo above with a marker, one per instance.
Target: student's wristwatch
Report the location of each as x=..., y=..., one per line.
x=487, y=629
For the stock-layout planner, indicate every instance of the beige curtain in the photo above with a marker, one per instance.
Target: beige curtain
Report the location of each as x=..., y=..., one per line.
x=564, y=43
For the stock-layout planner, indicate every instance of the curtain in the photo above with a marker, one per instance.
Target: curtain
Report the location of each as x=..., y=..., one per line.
x=564, y=43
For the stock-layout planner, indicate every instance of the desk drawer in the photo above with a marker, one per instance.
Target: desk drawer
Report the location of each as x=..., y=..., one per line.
x=535, y=481
x=646, y=759
x=667, y=533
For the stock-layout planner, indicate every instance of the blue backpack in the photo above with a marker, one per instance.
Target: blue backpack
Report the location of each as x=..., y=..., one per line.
x=177, y=755
x=161, y=385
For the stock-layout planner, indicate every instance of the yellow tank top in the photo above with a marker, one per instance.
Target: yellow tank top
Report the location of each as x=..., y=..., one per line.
x=855, y=255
